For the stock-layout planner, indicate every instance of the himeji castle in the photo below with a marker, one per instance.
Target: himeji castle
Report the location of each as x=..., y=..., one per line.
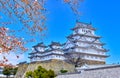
x=83, y=42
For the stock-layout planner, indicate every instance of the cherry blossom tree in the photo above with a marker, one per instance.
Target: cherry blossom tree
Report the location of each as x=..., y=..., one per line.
x=32, y=15
x=74, y=5
x=9, y=43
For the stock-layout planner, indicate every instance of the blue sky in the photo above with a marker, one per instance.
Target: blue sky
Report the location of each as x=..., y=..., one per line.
x=103, y=14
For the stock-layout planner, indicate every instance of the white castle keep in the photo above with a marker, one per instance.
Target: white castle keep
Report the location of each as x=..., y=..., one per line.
x=82, y=42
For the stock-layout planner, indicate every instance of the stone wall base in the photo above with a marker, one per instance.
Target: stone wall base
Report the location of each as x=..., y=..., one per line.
x=55, y=65
x=90, y=62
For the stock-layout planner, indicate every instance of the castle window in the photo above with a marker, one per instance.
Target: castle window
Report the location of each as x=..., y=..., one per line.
x=101, y=58
x=96, y=57
x=88, y=56
x=82, y=30
x=89, y=31
x=91, y=56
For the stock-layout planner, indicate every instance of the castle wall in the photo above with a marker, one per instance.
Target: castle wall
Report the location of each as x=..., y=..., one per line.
x=55, y=65
x=90, y=62
x=21, y=70
x=111, y=72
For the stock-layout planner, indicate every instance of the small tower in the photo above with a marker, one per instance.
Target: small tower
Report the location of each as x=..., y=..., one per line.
x=84, y=43
x=37, y=51
x=56, y=51
x=40, y=53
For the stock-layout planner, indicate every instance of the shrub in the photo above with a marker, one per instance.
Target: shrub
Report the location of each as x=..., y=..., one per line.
x=63, y=71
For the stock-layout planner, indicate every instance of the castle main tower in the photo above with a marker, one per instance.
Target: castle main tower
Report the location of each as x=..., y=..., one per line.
x=83, y=42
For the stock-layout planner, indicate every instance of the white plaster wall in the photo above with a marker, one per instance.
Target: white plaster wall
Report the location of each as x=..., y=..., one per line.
x=41, y=49
x=84, y=31
x=89, y=51
x=47, y=53
x=76, y=37
x=68, y=45
x=82, y=44
x=55, y=47
x=50, y=57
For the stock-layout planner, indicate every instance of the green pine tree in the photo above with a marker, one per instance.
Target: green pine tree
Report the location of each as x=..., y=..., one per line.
x=7, y=71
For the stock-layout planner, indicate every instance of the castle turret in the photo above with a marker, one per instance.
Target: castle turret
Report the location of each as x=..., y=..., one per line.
x=40, y=53
x=55, y=45
x=56, y=51
x=37, y=50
